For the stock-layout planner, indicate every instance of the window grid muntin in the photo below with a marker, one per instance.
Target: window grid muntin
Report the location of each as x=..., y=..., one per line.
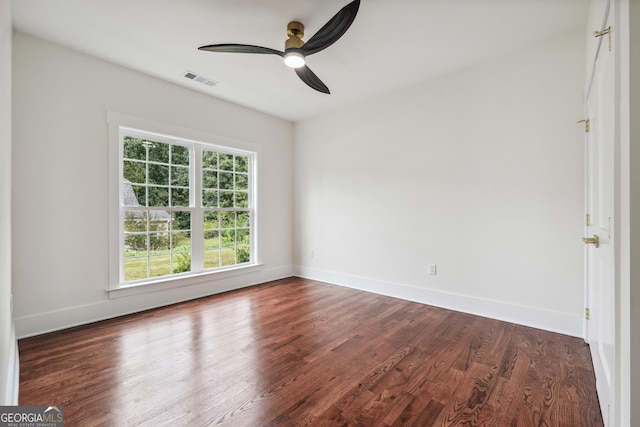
x=148, y=143
x=225, y=180
x=222, y=169
x=169, y=249
x=245, y=247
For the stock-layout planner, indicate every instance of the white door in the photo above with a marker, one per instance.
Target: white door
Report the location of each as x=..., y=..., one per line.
x=600, y=183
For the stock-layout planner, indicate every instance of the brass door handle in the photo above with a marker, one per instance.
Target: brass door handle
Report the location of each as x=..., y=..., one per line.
x=595, y=240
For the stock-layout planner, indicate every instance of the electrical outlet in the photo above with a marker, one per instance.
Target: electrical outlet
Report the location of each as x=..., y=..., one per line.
x=433, y=270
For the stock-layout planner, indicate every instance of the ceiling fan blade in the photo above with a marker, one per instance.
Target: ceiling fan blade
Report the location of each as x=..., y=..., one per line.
x=308, y=76
x=332, y=30
x=239, y=48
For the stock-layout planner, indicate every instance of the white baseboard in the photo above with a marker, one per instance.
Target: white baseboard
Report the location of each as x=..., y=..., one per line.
x=553, y=321
x=41, y=323
x=564, y=323
x=13, y=373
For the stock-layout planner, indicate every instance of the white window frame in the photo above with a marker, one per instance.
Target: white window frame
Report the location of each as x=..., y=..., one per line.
x=120, y=124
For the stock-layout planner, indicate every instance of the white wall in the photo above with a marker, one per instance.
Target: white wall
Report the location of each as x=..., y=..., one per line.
x=479, y=171
x=60, y=181
x=634, y=38
x=8, y=347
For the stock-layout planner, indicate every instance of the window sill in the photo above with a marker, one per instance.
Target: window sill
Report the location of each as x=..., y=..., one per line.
x=179, y=282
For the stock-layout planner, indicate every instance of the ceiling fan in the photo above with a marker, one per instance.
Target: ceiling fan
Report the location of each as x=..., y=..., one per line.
x=295, y=50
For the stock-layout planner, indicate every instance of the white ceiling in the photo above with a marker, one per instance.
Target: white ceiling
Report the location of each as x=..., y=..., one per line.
x=391, y=44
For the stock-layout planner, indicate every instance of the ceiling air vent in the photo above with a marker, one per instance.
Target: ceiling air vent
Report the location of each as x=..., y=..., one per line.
x=200, y=79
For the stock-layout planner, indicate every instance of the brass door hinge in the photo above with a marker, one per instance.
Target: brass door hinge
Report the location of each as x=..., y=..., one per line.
x=587, y=124
x=606, y=31
x=587, y=314
x=587, y=220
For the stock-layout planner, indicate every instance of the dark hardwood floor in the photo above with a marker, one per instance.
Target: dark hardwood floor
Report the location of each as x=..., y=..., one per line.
x=296, y=352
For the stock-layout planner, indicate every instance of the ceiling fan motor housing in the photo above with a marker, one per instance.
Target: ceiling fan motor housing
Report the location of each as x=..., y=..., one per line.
x=295, y=31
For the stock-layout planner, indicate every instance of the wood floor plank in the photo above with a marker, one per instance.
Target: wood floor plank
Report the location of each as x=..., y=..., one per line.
x=296, y=352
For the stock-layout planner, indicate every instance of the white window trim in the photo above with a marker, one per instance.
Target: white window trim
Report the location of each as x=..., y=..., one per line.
x=117, y=121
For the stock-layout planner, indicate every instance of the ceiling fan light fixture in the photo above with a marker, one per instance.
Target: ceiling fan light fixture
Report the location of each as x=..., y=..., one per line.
x=294, y=59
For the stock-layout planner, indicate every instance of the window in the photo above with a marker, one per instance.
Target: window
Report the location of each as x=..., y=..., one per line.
x=185, y=208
